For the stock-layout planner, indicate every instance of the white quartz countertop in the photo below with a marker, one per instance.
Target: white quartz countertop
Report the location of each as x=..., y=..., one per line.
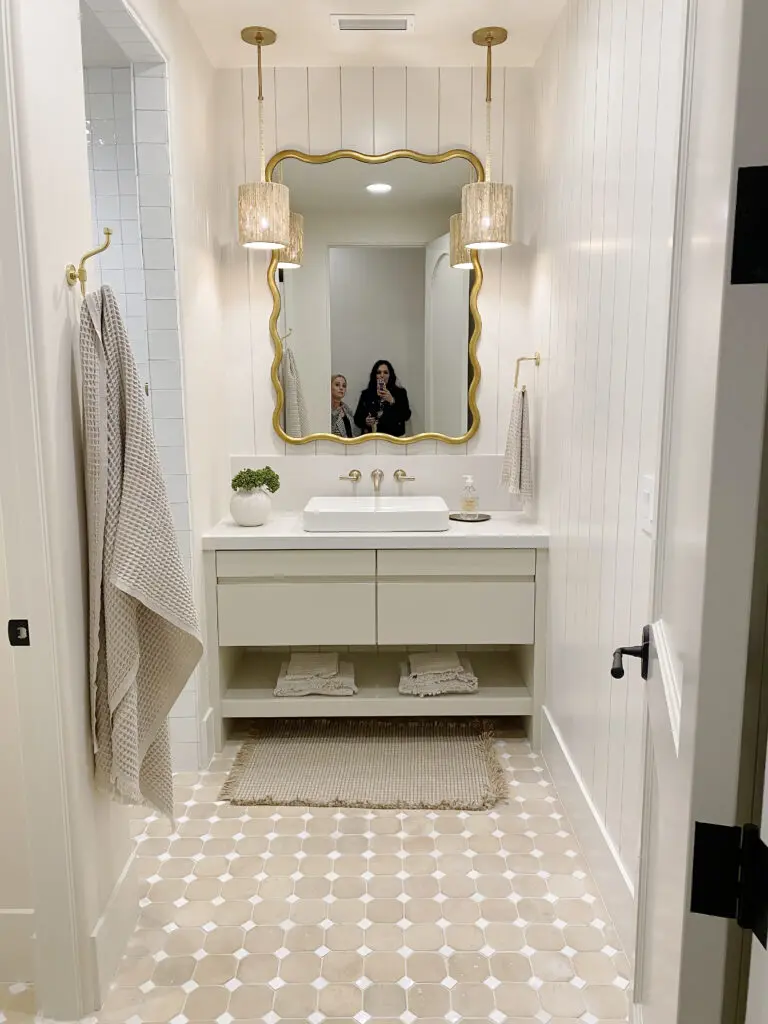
x=504, y=530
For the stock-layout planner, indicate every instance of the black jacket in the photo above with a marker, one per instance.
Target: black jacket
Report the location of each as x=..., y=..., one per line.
x=393, y=417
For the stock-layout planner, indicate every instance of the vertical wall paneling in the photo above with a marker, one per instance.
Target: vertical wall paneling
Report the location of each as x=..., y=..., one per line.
x=389, y=109
x=324, y=88
x=455, y=113
x=422, y=109
x=607, y=93
x=291, y=109
x=357, y=109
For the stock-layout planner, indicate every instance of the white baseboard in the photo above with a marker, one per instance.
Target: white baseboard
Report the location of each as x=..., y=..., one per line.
x=607, y=869
x=17, y=952
x=115, y=927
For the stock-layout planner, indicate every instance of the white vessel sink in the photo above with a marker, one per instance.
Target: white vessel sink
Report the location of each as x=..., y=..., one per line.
x=375, y=515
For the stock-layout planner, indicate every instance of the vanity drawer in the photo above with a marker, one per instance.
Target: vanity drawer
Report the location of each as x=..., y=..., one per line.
x=283, y=612
x=467, y=562
x=279, y=564
x=455, y=612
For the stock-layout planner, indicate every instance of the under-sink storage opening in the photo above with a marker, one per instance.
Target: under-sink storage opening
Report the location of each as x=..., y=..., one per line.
x=505, y=686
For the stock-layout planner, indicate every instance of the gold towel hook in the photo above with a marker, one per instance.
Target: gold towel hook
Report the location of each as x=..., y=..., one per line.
x=535, y=358
x=75, y=274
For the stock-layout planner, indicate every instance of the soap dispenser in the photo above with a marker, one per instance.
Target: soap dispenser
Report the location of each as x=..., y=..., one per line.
x=469, y=499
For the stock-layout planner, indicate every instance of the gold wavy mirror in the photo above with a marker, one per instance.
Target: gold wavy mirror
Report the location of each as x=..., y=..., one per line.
x=375, y=328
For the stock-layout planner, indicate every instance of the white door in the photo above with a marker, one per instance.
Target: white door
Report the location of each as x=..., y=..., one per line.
x=707, y=514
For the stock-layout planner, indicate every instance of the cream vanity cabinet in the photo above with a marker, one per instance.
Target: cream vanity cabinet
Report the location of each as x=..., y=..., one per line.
x=372, y=602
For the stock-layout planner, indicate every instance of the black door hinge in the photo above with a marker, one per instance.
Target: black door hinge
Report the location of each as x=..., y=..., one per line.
x=730, y=876
x=18, y=632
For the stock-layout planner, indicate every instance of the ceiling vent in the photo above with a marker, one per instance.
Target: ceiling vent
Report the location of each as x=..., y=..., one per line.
x=373, y=22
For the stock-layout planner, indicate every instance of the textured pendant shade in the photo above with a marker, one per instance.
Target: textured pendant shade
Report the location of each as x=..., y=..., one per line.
x=263, y=211
x=293, y=254
x=486, y=206
x=263, y=215
x=486, y=215
x=461, y=258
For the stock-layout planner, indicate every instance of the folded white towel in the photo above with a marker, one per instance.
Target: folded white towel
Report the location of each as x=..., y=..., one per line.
x=516, y=473
x=342, y=684
x=313, y=665
x=460, y=679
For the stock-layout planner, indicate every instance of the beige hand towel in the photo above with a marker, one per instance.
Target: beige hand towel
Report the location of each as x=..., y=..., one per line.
x=342, y=684
x=312, y=664
x=426, y=684
x=516, y=473
x=296, y=418
x=144, y=634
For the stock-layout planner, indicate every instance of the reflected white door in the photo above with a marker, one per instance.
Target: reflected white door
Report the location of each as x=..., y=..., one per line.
x=446, y=340
x=706, y=523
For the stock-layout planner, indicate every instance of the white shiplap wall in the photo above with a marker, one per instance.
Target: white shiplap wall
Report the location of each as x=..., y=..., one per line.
x=373, y=110
x=607, y=93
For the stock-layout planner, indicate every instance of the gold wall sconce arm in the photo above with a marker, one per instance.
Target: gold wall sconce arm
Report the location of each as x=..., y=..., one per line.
x=75, y=274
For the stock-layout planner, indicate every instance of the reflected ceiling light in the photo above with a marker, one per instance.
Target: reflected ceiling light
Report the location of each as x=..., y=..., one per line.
x=378, y=188
x=291, y=256
x=263, y=212
x=461, y=257
x=486, y=206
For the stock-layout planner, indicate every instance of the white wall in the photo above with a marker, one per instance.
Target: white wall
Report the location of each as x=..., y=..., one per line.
x=16, y=896
x=608, y=96
x=79, y=843
x=446, y=331
x=318, y=109
x=377, y=312
x=212, y=397
x=129, y=169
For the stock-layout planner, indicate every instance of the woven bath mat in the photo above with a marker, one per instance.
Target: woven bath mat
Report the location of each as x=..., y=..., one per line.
x=368, y=763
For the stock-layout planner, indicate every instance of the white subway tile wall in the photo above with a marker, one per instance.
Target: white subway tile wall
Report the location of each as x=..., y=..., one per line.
x=129, y=169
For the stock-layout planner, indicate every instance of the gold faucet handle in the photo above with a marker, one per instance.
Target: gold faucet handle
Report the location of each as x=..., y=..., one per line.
x=401, y=476
x=354, y=475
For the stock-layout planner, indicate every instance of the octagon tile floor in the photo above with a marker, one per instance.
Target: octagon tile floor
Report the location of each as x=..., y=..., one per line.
x=294, y=914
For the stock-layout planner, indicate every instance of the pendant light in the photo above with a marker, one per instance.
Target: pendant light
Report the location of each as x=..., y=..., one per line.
x=461, y=257
x=263, y=211
x=291, y=256
x=486, y=206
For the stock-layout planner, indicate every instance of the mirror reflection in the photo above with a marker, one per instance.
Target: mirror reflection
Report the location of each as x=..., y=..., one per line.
x=376, y=322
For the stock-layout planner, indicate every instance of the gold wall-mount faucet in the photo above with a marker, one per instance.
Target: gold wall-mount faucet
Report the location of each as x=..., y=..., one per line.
x=377, y=476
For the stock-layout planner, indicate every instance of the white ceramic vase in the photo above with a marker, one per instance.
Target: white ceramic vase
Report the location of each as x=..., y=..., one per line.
x=251, y=508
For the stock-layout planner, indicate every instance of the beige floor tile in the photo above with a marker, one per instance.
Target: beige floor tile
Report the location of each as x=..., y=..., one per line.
x=383, y=1000
x=251, y=1002
x=343, y=912
x=340, y=1001
x=342, y=966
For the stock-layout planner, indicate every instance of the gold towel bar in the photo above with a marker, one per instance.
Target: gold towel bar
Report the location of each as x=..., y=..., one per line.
x=75, y=274
x=536, y=358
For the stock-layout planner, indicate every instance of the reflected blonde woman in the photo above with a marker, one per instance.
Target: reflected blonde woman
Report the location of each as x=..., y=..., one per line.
x=342, y=421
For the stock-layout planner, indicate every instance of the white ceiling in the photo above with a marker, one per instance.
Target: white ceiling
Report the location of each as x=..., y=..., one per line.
x=338, y=188
x=442, y=35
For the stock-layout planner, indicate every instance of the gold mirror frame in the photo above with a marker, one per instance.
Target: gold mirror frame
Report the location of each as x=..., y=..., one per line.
x=383, y=158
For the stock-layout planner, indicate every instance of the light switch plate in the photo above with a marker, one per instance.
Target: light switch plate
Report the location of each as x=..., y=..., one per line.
x=647, y=505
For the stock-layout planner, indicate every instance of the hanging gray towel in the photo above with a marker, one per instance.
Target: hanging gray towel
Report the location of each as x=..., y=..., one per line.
x=296, y=420
x=516, y=471
x=144, y=634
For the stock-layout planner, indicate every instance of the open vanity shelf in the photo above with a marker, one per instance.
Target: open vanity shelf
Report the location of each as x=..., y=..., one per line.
x=249, y=694
x=373, y=598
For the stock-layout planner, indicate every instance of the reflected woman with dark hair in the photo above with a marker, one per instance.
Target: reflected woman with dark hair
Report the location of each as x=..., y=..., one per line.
x=383, y=407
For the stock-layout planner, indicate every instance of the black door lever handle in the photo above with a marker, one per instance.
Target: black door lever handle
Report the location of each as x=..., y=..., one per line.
x=642, y=651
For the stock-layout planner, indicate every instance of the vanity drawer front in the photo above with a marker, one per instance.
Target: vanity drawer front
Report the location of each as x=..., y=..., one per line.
x=478, y=562
x=455, y=612
x=282, y=613
x=277, y=564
